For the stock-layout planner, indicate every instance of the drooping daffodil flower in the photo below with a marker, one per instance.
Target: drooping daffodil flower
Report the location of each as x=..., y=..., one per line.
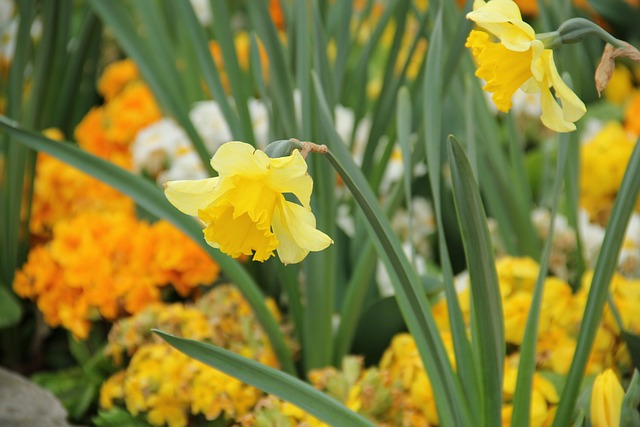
x=244, y=209
x=509, y=56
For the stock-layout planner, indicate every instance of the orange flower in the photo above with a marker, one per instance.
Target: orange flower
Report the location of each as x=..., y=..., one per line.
x=277, y=14
x=107, y=264
x=116, y=76
x=632, y=114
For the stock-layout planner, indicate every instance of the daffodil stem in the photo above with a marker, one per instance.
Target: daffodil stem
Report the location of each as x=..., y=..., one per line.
x=574, y=30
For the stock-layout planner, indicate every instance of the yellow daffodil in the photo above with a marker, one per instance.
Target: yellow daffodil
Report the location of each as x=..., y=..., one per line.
x=244, y=209
x=606, y=400
x=519, y=60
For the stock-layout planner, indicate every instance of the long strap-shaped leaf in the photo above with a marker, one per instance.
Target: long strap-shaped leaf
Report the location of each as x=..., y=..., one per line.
x=269, y=380
x=527, y=363
x=485, y=292
x=411, y=298
x=147, y=195
x=602, y=274
x=154, y=71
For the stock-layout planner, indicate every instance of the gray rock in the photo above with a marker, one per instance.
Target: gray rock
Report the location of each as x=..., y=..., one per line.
x=25, y=404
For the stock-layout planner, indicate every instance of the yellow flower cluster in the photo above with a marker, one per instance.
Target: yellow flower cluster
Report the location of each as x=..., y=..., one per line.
x=603, y=161
x=107, y=264
x=168, y=387
x=108, y=130
x=624, y=90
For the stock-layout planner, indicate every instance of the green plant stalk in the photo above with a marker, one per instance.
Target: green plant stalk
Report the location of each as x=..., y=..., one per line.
x=527, y=364
x=485, y=289
x=383, y=109
x=433, y=101
x=14, y=156
x=414, y=307
x=207, y=65
x=572, y=191
x=603, y=272
x=411, y=299
x=89, y=30
x=280, y=75
x=153, y=71
x=524, y=201
x=343, y=44
x=147, y=195
x=269, y=380
x=239, y=87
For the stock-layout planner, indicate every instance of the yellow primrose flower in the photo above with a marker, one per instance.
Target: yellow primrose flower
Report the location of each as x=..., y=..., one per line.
x=519, y=60
x=606, y=400
x=244, y=209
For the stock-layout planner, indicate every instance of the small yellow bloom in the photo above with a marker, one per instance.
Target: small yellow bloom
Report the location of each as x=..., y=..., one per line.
x=244, y=209
x=519, y=60
x=606, y=400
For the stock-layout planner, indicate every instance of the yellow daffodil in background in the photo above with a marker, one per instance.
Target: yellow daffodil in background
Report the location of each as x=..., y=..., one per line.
x=519, y=60
x=244, y=209
x=606, y=400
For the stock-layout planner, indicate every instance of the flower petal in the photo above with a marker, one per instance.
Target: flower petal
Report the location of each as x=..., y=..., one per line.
x=295, y=228
x=552, y=115
x=289, y=175
x=190, y=195
x=503, y=19
x=239, y=158
x=573, y=108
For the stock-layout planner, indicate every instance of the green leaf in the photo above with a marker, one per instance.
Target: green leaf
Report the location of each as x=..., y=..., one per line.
x=117, y=417
x=598, y=292
x=156, y=73
x=377, y=326
x=485, y=290
x=633, y=345
x=630, y=415
x=269, y=380
x=433, y=103
x=152, y=199
x=527, y=363
x=10, y=308
x=409, y=293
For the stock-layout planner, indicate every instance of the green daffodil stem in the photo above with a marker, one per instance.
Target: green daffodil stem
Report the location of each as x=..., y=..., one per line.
x=574, y=30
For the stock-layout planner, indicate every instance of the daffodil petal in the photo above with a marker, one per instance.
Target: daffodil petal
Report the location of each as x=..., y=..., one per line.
x=295, y=228
x=503, y=19
x=289, y=175
x=241, y=158
x=573, y=108
x=190, y=195
x=552, y=115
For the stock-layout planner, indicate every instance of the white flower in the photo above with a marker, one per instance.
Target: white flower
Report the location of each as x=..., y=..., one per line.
x=186, y=166
x=345, y=120
x=385, y=287
x=203, y=11
x=345, y=220
x=156, y=145
x=592, y=236
x=210, y=124
x=8, y=35
x=7, y=9
x=526, y=104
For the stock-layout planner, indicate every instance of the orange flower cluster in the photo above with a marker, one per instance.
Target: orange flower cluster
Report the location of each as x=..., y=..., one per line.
x=108, y=130
x=108, y=264
x=60, y=192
